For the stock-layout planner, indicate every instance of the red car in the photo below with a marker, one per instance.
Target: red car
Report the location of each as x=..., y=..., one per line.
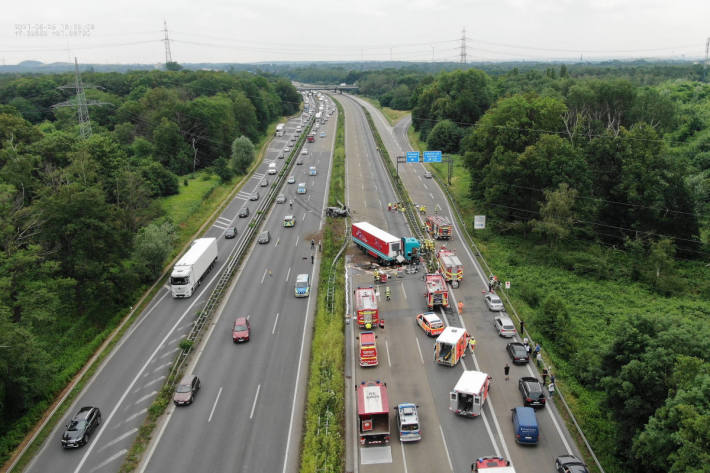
x=240, y=331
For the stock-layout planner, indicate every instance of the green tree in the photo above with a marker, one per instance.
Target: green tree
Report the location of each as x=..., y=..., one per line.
x=169, y=147
x=660, y=258
x=445, y=136
x=223, y=170
x=153, y=244
x=557, y=214
x=554, y=321
x=242, y=154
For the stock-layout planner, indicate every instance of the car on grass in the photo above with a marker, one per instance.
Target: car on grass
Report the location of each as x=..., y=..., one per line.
x=504, y=326
x=570, y=464
x=518, y=353
x=244, y=212
x=186, y=390
x=430, y=323
x=533, y=391
x=493, y=302
x=241, y=330
x=79, y=430
x=230, y=233
x=264, y=237
x=280, y=199
x=291, y=180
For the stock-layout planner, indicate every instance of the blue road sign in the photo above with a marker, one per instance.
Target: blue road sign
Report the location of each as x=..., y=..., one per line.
x=412, y=156
x=432, y=157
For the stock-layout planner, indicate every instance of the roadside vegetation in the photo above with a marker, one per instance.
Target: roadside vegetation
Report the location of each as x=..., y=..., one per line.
x=324, y=430
x=88, y=225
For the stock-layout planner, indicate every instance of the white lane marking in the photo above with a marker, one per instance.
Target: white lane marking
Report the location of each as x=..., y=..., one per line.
x=156, y=380
x=219, y=393
x=118, y=439
x=266, y=271
x=288, y=273
x=297, y=238
x=404, y=457
x=304, y=215
x=446, y=448
x=147, y=396
x=222, y=219
x=387, y=348
x=277, y=241
x=164, y=365
x=273, y=330
x=419, y=348
x=137, y=414
x=253, y=406
x=110, y=459
x=169, y=352
x=431, y=195
x=176, y=339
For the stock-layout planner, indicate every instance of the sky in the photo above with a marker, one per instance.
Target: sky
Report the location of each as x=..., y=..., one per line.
x=246, y=31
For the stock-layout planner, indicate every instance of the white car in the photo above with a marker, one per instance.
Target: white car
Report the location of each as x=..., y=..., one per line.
x=504, y=326
x=280, y=199
x=304, y=151
x=291, y=179
x=493, y=302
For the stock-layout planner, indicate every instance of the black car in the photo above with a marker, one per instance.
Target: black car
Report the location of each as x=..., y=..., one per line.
x=81, y=427
x=570, y=464
x=533, y=391
x=230, y=233
x=244, y=212
x=518, y=352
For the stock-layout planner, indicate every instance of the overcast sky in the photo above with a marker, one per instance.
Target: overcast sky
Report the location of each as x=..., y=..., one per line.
x=129, y=31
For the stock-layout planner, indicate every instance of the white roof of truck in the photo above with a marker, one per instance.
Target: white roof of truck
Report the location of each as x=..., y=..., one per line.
x=450, y=260
x=471, y=382
x=450, y=335
x=193, y=254
x=376, y=232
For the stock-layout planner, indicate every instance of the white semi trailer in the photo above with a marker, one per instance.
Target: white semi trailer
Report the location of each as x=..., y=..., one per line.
x=192, y=267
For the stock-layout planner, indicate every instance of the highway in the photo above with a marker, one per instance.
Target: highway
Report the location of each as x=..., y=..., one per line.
x=465, y=439
x=244, y=414
x=251, y=378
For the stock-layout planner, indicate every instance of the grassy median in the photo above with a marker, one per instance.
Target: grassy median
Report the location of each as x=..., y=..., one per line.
x=324, y=432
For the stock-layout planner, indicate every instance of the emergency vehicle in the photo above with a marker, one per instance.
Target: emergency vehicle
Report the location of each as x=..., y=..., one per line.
x=438, y=227
x=289, y=221
x=450, y=266
x=437, y=292
x=469, y=394
x=430, y=323
x=373, y=413
x=366, y=308
x=408, y=422
x=450, y=346
x=368, y=349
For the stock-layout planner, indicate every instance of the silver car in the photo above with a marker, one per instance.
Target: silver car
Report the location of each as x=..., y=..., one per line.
x=280, y=199
x=493, y=302
x=504, y=326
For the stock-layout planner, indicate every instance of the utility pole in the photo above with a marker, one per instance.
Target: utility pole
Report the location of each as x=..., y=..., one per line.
x=81, y=103
x=463, y=46
x=707, y=58
x=166, y=40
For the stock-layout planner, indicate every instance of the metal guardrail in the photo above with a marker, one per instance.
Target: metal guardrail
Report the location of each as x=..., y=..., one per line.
x=233, y=262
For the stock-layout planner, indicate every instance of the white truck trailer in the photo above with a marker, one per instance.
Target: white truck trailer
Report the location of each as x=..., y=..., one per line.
x=192, y=267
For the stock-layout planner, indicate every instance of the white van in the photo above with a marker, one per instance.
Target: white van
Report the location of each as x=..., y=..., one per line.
x=301, y=188
x=272, y=168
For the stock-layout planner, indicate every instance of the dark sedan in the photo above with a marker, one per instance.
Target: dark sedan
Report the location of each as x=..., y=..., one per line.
x=518, y=352
x=81, y=427
x=570, y=464
x=533, y=391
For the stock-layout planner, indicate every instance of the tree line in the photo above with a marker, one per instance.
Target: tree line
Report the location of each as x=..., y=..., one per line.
x=81, y=229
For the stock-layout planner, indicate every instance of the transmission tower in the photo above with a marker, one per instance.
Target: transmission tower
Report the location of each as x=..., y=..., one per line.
x=463, y=46
x=166, y=40
x=707, y=59
x=81, y=104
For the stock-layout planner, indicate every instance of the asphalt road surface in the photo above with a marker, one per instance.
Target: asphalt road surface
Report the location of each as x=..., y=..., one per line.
x=466, y=439
x=128, y=380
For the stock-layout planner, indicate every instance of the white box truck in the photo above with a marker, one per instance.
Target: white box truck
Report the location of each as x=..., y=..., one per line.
x=192, y=267
x=469, y=394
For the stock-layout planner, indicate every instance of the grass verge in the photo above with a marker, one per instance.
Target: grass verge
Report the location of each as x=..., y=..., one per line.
x=324, y=432
x=392, y=115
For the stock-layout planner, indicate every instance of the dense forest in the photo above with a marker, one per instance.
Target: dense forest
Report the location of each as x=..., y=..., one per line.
x=81, y=233
x=601, y=174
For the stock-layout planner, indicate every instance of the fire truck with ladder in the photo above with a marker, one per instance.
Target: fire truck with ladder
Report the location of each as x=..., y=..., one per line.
x=438, y=227
x=366, y=308
x=450, y=266
x=437, y=292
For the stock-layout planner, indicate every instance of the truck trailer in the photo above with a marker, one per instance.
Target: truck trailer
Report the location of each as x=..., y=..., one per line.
x=189, y=271
x=373, y=413
x=386, y=248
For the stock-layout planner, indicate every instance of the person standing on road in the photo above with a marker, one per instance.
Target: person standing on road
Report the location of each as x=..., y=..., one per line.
x=522, y=327
x=311, y=259
x=506, y=370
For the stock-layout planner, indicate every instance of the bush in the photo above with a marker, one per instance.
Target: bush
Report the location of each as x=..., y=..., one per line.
x=529, y=294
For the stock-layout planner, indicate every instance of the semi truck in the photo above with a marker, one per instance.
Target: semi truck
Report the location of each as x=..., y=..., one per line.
x=450, y=266
x=189, y=271
x=438, y=227
x=437, y=292
x=450, y=346
x=280, y=128
x=366, y=311
x=373, y=413
x=469, y=394
x=386, y=248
